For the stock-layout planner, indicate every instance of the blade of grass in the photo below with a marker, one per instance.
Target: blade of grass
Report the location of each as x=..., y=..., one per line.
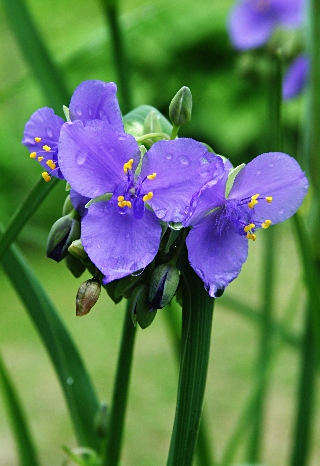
x=26, y=450
x=36, y=54
x=76, y=385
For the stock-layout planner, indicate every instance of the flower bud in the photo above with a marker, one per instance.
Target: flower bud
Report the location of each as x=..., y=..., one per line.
x=75, y=266
x=77, y=250
x=101, y=421
x=67, y=206
x=163, y=285
x=180, y=107
x=141, y=309
x=152, y=123
x=87, y=296
x=62, y=233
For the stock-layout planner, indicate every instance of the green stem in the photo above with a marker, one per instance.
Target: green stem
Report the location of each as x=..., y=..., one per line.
x=120, y=393
x=175, y=131
x=197, y=315
x=110, y=8
x=152, y=135
x=305, y=402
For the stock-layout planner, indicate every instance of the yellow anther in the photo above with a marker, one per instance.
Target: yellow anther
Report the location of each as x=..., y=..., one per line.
x=148, y=196
x=249, y=227
x=40, y=158
x=128, y=165
x=251, y=236
x=266, y=224
x=37, y=139
x=255, y=196
x=152, y=176
x=125, y=204
x=33, y=155
x=51, y=164
x=253, y=201
x=46, y=176
x=46, y=148
x=120, y=198
x=269, y=199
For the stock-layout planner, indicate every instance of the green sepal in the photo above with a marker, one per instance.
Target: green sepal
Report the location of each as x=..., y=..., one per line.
x=111, y=290
x=65, y=230
x=140, y=307
x=126, y=284
x=163, y=285
x=134, y=120
x=103, y=197
x=231, y=177
x=67, y=206
x=75, y=265
x=173, y=236
x=66, y=112
x=77, y=250
x=152, y=123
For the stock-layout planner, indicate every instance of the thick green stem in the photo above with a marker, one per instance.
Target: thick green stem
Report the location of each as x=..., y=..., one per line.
x=121, y=61
x=120, y=393
x=197, y=315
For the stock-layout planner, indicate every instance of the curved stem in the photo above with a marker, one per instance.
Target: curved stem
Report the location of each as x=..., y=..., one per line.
x=197, y=315
x=120, y=393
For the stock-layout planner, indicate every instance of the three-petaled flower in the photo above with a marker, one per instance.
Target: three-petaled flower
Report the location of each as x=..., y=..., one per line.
x=268, y=190
x=119, y=234
x=251, y=22
x=91, y=100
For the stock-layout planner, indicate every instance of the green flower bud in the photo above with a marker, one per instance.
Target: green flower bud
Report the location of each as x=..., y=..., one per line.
x=181, y=107
x=141, y=309
x=152, y=123
x=75, y=266
x=62, y=233
x=87, y=296
x=77, y=250
x=163, y=285
x=67, y=206
x=101, y=421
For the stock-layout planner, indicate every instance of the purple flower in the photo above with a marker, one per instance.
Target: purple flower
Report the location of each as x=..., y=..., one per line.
x=251, y=22
x=296, y=77
x=119, y=234
x=266, y=191
x=91, y=100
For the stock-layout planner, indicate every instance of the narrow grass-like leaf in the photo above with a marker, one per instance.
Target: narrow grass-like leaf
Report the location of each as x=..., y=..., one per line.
x=26, y=209
x=35, y=53
x=76, y=385
x=25, y=446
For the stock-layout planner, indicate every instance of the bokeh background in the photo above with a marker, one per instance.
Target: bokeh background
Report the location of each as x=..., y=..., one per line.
x=169, y=45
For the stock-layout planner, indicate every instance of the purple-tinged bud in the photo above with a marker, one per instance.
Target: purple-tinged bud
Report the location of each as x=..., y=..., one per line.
x=141, y=309
x=62, y=233
x=163, y=285
x=181, y=107
x=87, y=296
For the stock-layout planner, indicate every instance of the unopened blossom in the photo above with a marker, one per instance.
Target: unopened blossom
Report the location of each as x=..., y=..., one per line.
x=121, y=231
x=90, y=100
x=268, y=190
x=251, y=22
x=296, y=77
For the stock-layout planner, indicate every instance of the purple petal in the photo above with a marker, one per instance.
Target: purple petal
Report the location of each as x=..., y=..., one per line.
x=119, y=244
x=250, y=26
x=216, y=252
x=92, y=155
x=96, y=100
x=45, y=124
x=79, y=202
x=296, y=77
x=182, y=166
x=272, y=174
x=289, y=13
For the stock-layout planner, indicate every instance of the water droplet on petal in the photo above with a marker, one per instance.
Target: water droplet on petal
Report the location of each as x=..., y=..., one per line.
x=90, y=111
x=138, y=272
x=102, y=114
x=49, y=133
x=127, y=235
x=184, y=160
x=271, y=164
x=259, y=172
x=160, y=213
x=169, y=156
x=80, y=157
x=122, y=138
x=78, y=110
x=70, y=380
x=280, y=212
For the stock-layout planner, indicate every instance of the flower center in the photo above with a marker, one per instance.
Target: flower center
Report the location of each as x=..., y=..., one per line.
x=130, y=194
x=47, y=156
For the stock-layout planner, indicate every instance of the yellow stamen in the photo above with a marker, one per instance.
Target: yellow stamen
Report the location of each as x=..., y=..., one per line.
x=251, y=236
x=266, y=224
x=46, y=176
x=51, y=164
x=37, y=139
x=33, y=155
x=120, y=198
x=269, y=199
x=152, y=176
x=128, y=165
x=249, y=227
x=148, y=196
x=125, y=204
x=255, y=196
x=40, y=158
x=46, y=148
x=253, y=201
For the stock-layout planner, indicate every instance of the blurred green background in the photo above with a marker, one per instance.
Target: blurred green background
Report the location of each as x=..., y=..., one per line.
x=169, y=44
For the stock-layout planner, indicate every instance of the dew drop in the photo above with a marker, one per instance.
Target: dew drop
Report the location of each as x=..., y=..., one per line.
x=258, y=172
x=271, y=164
x=81, y=157
x=70, y=380
x=169, y=156
x=184, y=160
x=161, y=213
x=127, y=235
x=122, y=138
x=49, y=133
x=90, y=111
x=280, y=212
x=138, y=272
x=102, y=114
x=78, y=110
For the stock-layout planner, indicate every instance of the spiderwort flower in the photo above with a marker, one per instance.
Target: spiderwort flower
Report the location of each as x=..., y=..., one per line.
x=268, y=190
x=119, y=234
x=251, y=22
x=296, y=77
x=91, y=100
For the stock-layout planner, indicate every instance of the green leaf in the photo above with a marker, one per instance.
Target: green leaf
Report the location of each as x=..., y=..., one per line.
x=134, y=120
x=26, y=449
x=231, y=177
x=76, y=385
